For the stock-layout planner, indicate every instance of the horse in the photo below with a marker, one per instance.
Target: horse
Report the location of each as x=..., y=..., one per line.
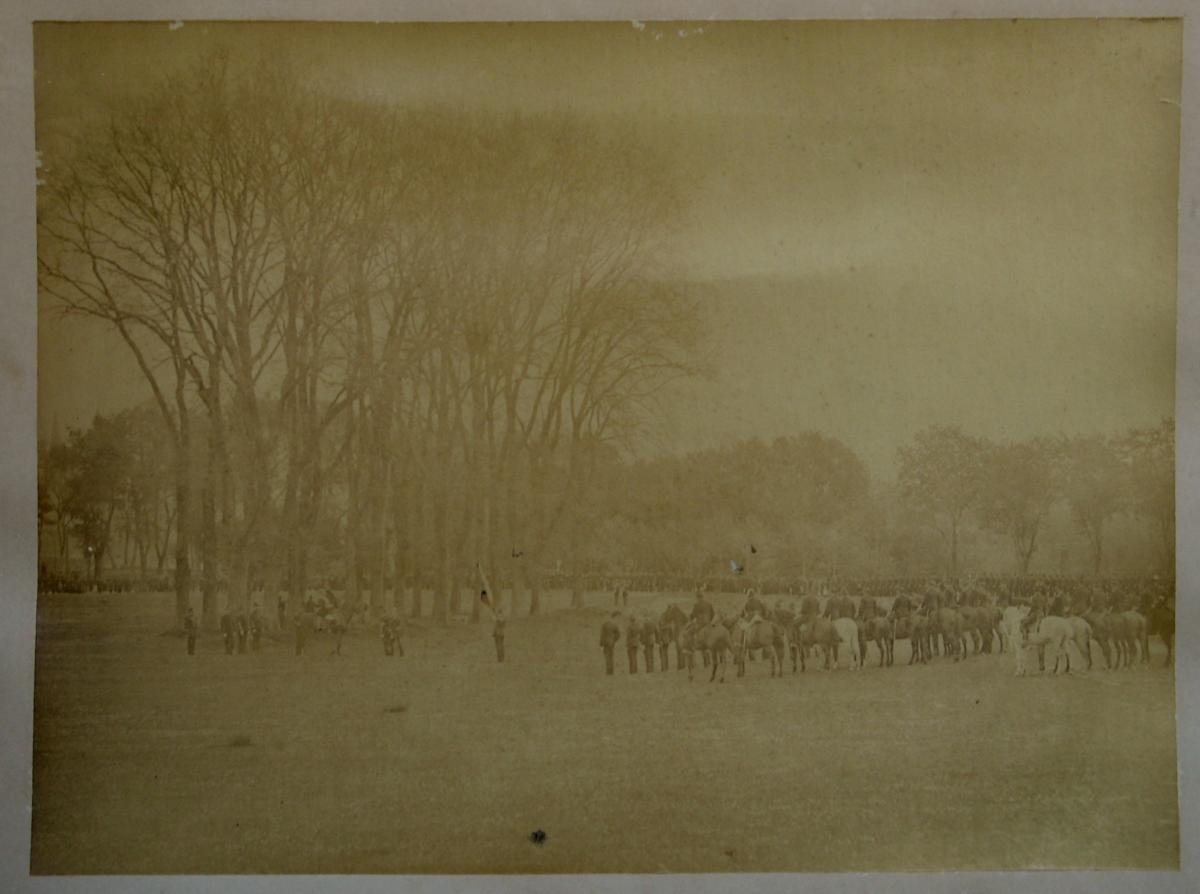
x=762, y=634
x=1139, y=632
x=847, y=631
x=1102, y=633
x=913, y=628
x=978, y=623
x=815, y=631
x=1059, y=631
x=1161, y=620
x=1083, y=634
x=948, y=622
x=880, y=631
x=1123, y=637
x=714, y=639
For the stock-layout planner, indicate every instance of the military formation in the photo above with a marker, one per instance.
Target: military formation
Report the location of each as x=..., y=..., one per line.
x=950, y=619
x=938, y=618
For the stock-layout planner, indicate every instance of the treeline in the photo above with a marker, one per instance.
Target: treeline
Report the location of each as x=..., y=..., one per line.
x=805, y=507
x=778, y=515
x=404, y=335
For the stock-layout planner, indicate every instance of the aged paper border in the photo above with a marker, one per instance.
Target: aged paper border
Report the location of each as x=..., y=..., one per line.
x=18, y=364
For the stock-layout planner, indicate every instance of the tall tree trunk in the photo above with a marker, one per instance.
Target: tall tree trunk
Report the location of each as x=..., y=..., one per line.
x=416, y=510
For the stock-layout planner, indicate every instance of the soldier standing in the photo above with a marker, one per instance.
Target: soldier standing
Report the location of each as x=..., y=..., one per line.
x=189, y=628
x=227, y=631
x=649, y=640
x=610, y=633
x=387, y=632
x=633, y=636
x=256, y=627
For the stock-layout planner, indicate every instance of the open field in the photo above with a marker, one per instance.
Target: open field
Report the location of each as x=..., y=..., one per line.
x=148, y=761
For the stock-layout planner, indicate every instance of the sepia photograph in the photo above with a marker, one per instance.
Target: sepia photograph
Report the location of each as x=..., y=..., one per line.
x=606, y=447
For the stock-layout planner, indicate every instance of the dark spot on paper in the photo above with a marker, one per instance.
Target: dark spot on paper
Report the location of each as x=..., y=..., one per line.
x=538, y=837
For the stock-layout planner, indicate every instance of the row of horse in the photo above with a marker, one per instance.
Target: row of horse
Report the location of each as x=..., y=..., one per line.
x=956, y=632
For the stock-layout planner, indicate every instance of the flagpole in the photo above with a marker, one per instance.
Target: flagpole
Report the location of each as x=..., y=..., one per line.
x=491, y=600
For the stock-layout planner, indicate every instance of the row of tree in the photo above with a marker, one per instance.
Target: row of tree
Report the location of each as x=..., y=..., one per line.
x=798, y=507
x=1010, y=488
x=420, y=327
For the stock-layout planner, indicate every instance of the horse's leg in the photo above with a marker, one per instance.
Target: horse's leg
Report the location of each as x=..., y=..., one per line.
x=713, y=675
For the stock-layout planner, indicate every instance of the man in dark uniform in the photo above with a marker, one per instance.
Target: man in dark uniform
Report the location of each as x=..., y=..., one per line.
x=633, y=636
x=702, y=610
x=649, y=641
x=190, y=628
x=227, y=632
x=810, y=606
x=1058, y=605
x=256, y=628
x=610, y=633
x=754, y=609
x=387, y=632
x=1037, y=611
x=867, y=609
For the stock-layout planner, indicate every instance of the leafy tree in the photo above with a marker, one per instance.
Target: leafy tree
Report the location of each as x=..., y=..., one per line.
x=1018, y=487
x=1150, y=456
x=1095, y=484
x=941, y=474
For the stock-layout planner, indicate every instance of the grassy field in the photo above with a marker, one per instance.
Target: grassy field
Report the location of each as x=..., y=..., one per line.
x=148, y=761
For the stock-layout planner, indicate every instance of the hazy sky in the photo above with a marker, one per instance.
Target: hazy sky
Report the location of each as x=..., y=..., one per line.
x=892, y=224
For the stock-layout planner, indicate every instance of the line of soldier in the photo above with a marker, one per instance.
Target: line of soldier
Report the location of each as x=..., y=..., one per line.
x=239, y=629
x=647, y=635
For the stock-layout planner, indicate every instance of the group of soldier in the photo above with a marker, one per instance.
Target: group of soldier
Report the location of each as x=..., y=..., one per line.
x=1059, y=599
x=243, y=631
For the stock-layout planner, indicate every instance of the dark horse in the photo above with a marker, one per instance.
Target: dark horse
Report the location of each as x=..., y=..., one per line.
x=712, y=639
x=1160, y=619
x=880, y=631
x=915, y=629
x=814, y=631
x=762, y=634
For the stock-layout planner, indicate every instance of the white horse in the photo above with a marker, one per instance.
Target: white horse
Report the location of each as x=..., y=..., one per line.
x=847, y=629
x=1062, y=633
